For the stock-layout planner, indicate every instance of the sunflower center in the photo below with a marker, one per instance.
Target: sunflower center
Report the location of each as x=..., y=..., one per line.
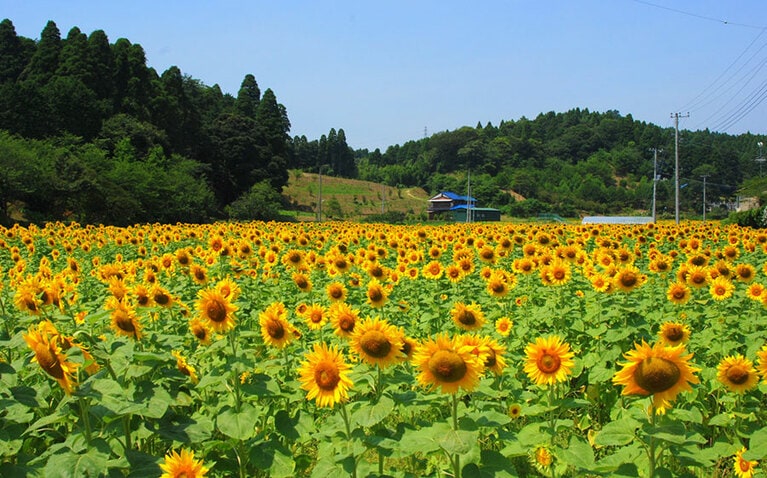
x=336, y=293
x=346, y=323
x=548, y=363
x=375, y=344
x=491, y=359
x=559, y=274
x=275, y=329
x=326, y=376
x=657, y=374
x=200, y=333
x=674, y=334
x=216, y=311
x=162, y=299
x=498, y=287
x=375, y=295
x=302, y=283
x=629, y=279
x=124, y=322
x=447, y=366
x=48, y=361
x=737, y=375
x=466, y=317
x=679, y=293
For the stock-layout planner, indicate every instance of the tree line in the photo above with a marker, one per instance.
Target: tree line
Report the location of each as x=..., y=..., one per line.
x=575, y=162
x=89, y=132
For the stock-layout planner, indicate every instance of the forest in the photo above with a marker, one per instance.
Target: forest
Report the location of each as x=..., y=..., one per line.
x=90, y=133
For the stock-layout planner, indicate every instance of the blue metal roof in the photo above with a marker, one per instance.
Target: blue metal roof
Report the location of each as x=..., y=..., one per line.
x=457, y=197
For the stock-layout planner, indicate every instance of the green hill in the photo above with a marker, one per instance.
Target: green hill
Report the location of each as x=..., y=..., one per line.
x=349, y=199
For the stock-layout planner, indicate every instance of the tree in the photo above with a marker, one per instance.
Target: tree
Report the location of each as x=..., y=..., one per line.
x=261, y=202
x=12, y=54
x=45, y=60
x=248, y=97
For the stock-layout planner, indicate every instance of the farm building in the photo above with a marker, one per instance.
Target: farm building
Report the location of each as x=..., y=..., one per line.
x=448, y=202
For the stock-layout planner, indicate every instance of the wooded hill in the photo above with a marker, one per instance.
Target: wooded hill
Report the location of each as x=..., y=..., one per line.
x=89, y=132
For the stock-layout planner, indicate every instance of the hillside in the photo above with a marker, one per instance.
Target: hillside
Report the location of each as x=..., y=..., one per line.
x=349, y=199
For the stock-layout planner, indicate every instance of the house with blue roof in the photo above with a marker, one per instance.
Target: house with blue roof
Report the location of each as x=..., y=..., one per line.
x=449, y=205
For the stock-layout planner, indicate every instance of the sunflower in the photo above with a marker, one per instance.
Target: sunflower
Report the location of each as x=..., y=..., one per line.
x=315, y=316
x=755, y=291
x=343, y=318
x=454, y=273
x=444, y=364
x=200, y=330
x=628, y=278
x=376, y=294
x=697, y=276
x=325, y=376
x=432, y=270
x=302, y=281
x=743, y=468
x=216, y=310
x=199, y=274
x=142, y=295
x=161, y=296
x=556, y=273
x=50, y=357
x=515, y=411
x=678, y=293
x=658, y=370
x=184, y=367
x=336, y=291
x=503, y=326
x=497, y=286
x=721, y=288
x=488, y=350
x=549, y=360
x=229, y=289
x=275, y=328
x=124, y=319
x=178, y=465
x=674, y=333
x=468, y=317
x=745, y=272
x=737, y=373
x=761, y=362
x=542, y=459
x=377, y=342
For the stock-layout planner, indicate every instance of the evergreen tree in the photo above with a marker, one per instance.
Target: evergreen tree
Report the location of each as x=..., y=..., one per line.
x=248, y=97
x=45, y=60
x=12, y=57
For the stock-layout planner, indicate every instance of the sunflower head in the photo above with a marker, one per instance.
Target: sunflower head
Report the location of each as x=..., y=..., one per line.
x=549, y=360
x=660, y=370
x=674, y=333
x=324, y=374
x=182, y=464
x=216, y=310
x=467, y=317
x=743, y=468
x=445, y=364
x=377, y=342
x=275, y=328
x=737, y=373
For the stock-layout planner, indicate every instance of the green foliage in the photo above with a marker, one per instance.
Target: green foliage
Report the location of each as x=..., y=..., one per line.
x=261, y=202
x=752, y=218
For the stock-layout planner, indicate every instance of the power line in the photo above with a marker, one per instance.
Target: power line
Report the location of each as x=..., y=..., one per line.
x=698, y=102
x=702, y=17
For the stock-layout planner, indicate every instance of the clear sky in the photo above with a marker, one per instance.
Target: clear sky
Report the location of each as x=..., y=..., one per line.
x=390, y=71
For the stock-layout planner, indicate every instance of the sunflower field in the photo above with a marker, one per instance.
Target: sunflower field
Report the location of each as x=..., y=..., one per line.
x=340, y=349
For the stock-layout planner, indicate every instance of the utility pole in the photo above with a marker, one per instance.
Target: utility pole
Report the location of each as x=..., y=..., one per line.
x=704, y=196
x=468, y=196
x=319, y=195
x=760, y=159
x=654, y=178
x=676, y=163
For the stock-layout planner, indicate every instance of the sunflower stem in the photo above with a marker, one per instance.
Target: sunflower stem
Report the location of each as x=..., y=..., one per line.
x=347, y=424
x=456, y=459
x=126, y=429
x=86, y=419
x=651, y=449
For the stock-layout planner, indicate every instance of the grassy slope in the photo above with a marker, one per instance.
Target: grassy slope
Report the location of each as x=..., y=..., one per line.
x=356, y=198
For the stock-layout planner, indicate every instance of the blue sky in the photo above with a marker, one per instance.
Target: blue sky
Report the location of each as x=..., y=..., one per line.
x=389, y=71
